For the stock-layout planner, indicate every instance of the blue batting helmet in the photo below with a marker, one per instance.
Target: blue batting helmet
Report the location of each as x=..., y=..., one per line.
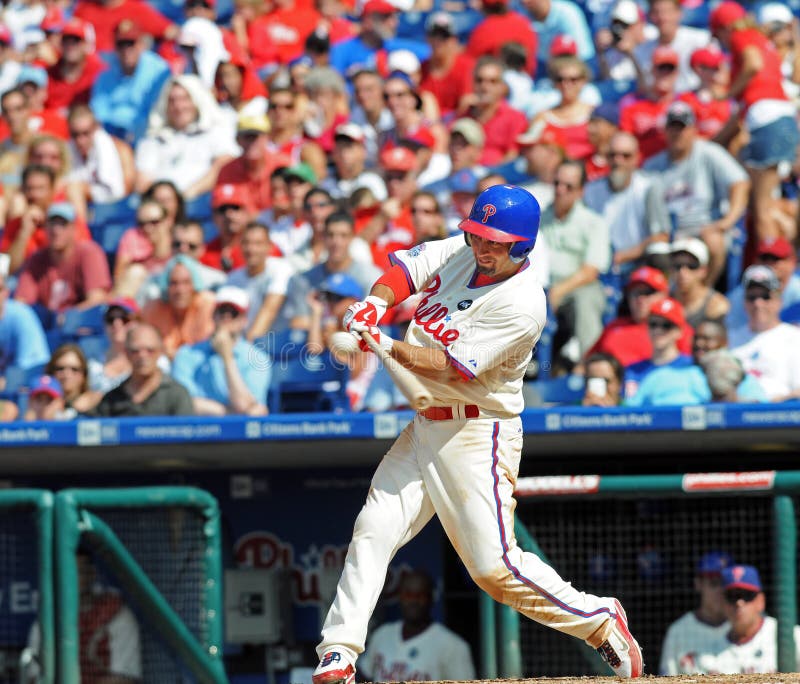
x=505, y=213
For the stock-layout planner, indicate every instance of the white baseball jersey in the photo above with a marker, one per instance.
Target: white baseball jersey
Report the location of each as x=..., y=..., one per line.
x=488, y=332
x=686, y=638
x=434, y=655
x=758, y=655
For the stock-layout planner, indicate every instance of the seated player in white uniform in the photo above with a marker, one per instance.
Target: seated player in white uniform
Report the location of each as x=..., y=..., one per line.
x=751, y=644
x=415, y=648
x=694, y=632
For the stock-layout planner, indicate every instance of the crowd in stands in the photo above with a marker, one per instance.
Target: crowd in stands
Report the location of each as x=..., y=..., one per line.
x=193, y=193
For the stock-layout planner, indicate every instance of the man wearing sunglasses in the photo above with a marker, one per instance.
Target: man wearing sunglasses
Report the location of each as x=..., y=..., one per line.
x=750, y=645
x=767, y=347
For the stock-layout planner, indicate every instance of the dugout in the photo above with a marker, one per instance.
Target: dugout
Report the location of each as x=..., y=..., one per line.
x=289, y=488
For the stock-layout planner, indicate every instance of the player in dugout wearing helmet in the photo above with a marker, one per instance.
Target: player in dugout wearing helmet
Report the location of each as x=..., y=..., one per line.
x=469, y=343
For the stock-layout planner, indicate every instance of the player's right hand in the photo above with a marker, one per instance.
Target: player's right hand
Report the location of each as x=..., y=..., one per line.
x=362, y=316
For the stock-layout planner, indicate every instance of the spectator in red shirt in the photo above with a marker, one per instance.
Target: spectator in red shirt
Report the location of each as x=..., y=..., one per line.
x=765, y=112
x=448, y=72
x=286, y=133
x=253, y=169
x=105, y=15
x=392, y=228
x=68, y=272
x=232, y=212
x=72, y=76
x=571, y=115
x=501, y=123
x=279, y=36
x=644, y=117
x=500, y=26
x=626, y=337
x=712, y=107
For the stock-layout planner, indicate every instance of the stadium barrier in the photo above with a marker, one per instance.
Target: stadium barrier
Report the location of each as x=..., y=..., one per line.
x=26, y=551
x=638, y=538
x=158, y=547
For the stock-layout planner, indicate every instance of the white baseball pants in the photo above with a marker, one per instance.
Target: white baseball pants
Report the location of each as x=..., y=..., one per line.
x=465, y=471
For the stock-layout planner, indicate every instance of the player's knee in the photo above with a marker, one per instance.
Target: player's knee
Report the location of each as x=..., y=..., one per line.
x=494, y=580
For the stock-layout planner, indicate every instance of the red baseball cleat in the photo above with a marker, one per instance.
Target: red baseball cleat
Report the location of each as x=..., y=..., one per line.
x=620, y=649
x=334, y=669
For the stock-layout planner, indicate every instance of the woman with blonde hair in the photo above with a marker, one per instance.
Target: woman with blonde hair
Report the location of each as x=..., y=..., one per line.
x=571, y=116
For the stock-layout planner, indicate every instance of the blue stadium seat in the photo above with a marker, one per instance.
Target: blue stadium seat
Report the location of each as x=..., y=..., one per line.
x=79, y=323
x=735, y=259
x=94, y=346
x=107, y=222
x=199, y=208
x=613, y=289
x=308, y=384
x=791, y=314
x=567, y=389
x=543, y=351
x=282, y=345
x=613, y=91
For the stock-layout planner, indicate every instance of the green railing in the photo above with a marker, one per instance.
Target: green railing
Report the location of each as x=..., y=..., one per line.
x=79, y=520
x=40, y=504
x=501, y=650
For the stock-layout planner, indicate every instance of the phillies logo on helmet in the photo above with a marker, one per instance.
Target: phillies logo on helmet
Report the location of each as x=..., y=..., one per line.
x=489, y=210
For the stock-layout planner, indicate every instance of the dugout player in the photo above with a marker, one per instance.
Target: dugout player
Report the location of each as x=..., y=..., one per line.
x=469, y=342
x=694, y=632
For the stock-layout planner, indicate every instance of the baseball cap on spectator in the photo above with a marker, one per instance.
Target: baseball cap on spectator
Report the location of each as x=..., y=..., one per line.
x=760, y=275
x=341, y=285
x=670, y=310
x=405, y=78
x=127, y=29
x=713, y=563
x=230, y=193
x=539, y=133
x=127, y=304
x=398, y=159
x=422, y=137
x=741, y=577
x=47, y=384
x=440, y=22
x=302, y=171
x=403, y=60
x=607, y=111
x=62, y=210
x=53, y=20
x=774, y=13
x=350, y=131
x=563, y=45
x=694, y=246
x=652, y=277
x=75, y=27
x=29, y=73
x=471, y=130
x=725, y=14
x=252, y=123
x=302, y=60
x=234, y=296
x=665, y=55
x=465, y=180
x=377, y=7
x=680, y=112
x=626, y=12
x=710, y=57
x=778, y=247
x=5, y=35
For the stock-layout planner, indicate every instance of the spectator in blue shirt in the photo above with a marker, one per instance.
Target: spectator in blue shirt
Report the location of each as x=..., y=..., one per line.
x=668, y=377
x=379, y=21
x=224, y=374
x=22, y=340
x=124, y=94
x=553, y=18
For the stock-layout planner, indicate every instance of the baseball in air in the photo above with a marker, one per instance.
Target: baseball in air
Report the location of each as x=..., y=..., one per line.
x=343, y=343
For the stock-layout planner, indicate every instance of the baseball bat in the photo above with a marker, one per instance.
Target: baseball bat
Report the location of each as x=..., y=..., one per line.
x=418, y=397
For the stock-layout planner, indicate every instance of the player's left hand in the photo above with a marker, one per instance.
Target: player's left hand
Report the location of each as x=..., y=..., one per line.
x=383, y=340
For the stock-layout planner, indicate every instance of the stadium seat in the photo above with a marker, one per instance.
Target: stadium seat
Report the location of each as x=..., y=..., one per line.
x=94, y=346
x=199, y=208
x=791, y=314
x=735, y=258
x=282, y=345
x=543, y=351
x=613, y=91
x=107, y=223
x=308, y=384
x=567, y=389
x=80, y=323
x=613, y=289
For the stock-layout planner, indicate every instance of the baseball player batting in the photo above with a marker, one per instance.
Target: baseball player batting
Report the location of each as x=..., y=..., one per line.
x=469, y=342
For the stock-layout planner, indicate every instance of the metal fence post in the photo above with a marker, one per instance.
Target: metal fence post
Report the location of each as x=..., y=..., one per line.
x=486, y=609
x=785, y=580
